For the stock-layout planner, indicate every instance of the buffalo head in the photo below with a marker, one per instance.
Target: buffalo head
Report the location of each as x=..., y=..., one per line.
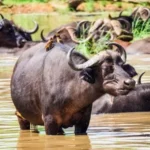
x=126, y=21
x=142, y=13
x=108, y=70
x=13, y=36
x=27, y=33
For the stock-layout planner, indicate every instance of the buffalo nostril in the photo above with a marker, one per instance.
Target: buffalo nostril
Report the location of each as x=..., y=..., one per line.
x=23, y=41
x=20, y=42
x=130, y=83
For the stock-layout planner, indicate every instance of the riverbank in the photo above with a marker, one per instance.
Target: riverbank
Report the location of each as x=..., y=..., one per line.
x=62, y=6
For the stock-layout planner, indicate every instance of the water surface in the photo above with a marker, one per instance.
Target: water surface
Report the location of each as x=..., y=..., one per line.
x=52, y=20
x=129, y=131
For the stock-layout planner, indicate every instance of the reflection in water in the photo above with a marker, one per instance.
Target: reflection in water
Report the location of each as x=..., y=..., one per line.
x=106, y=131
x=42, y=142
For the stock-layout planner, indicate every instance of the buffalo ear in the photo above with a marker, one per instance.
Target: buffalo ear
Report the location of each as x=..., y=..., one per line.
x=88, y=75
x=130, y=70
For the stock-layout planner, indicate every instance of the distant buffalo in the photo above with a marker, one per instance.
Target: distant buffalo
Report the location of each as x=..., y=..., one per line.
x=13, y=38
x=94, y=31
x=137, y=100
x=139, y=47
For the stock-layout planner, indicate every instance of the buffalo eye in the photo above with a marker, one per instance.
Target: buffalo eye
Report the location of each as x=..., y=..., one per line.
x=109, y=60
x=9, y=29
x=108, y=69
x=119, y=61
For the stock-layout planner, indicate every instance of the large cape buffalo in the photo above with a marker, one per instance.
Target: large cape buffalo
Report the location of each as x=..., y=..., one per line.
x=56, y=88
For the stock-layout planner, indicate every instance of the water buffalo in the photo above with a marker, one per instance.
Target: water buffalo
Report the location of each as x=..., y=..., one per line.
x=56, y=88
x=18, y=50
x=27, y=33
x=139, y=47
x=137, y=100
x=139, y=13
x=12, y=36
x=125, y=20
x=96, y=30
x=78, y=28
x=142, y=13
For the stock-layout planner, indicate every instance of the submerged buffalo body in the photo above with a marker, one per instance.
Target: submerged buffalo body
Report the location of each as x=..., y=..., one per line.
x=137, y=100
x=56, y=88
x=139, y=47
x=9, y=36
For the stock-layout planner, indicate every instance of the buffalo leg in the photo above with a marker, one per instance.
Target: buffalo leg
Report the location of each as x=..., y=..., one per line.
x=82, y=125
x=60, y=131
x=24, y=124
x=51, y=126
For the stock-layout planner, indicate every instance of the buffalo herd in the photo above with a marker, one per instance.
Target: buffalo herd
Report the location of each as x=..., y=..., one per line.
x=56, y=86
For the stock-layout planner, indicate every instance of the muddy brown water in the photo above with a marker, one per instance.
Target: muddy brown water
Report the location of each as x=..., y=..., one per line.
x=129, y=131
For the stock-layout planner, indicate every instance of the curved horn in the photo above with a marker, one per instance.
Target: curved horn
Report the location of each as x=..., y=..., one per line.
x=111, y=36
x=73, y=36
x=139, y=78
x=97, y=24
x=134, y=13
x=128, y=25
x=89, y=63
x=79, y=26
x=42, y=36
x=120, y=49
x=120, y=14
x=103, y=33
x=148, y=11
x=2, y=16
x=35, y=28
x=102, y=27
x=110, y=17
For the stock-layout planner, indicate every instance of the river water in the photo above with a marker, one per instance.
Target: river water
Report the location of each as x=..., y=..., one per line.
x=127, y=131
x=106, y=131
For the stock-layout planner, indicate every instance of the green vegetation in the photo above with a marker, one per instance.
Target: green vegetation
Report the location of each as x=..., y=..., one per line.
x=89, y=5
x=91, y=47
x=22, y=1
x=119, y=4
x=141, y=29
x=104, y=3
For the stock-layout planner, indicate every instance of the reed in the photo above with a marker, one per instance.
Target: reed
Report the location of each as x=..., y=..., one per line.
x=141, y=29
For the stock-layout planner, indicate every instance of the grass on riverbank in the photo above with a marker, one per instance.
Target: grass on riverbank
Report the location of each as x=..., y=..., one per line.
x=23, y=1
x=141, y=29
x=89, y=48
